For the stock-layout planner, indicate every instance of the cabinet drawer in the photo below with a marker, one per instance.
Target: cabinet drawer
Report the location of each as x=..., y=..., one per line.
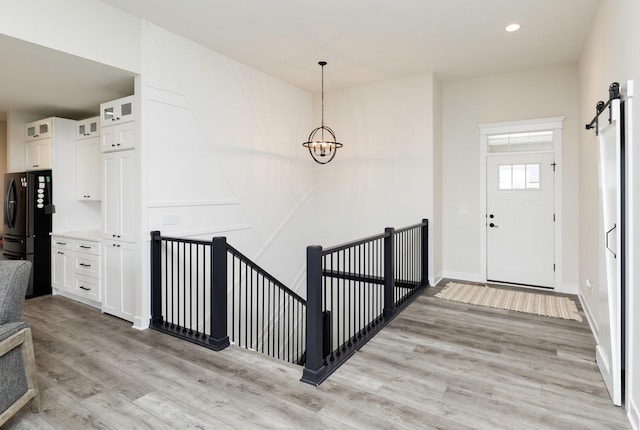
x=87, y=264
x=87, y=247
x=87, y=287
x=61, y=243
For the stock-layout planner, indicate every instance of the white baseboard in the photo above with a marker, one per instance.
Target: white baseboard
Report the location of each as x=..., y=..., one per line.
x=58, y=292
x=436, y=279
x=140, y=323
x=633, y=413
x=568, y=289
x=589, y=315
x=464, y=276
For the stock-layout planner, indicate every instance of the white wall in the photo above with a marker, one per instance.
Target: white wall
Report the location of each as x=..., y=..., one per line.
x=539, y=93
x=221, y=154
x=610, y=56
x=86, y=28
x=384, y=176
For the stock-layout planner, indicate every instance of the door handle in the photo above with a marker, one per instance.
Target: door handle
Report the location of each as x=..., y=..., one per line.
x=606, y=241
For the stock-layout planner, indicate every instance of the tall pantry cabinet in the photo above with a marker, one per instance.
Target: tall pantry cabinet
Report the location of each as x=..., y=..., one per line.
x=117, y=134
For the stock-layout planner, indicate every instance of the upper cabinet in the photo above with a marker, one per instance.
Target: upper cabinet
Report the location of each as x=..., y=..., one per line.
x=117, y=111
x=88, y=128
x=117, y=137
x=37, y=147
x=38, y=130
x=88, y=173
x=38, y=154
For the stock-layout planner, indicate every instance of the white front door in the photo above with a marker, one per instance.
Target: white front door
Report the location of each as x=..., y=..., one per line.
x=520, y=219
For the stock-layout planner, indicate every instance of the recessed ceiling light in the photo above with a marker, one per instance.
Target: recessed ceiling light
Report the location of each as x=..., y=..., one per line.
x=512, y=27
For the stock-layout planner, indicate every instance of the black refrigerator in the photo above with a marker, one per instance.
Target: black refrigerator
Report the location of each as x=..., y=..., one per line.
x=28, y=207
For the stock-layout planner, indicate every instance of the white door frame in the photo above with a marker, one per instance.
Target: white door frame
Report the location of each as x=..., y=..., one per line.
x=541, y=124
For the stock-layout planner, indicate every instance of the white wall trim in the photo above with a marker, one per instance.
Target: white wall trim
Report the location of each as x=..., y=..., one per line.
x=633, y=413
x=167, y=97
x=632, y=344
x=209, y=231
x=522, y=125
x=282, y=225
x=436, y=279
x=555, y=124
x=192, y=203
x=589, y=315
x=140, y=323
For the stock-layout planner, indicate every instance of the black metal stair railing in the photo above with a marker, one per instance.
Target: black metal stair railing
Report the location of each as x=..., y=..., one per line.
x=211, y=294
x=354, y=290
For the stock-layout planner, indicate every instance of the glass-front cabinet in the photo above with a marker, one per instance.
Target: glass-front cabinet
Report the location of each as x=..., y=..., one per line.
x=38, y=130
x=117, y=111
x=88, y=128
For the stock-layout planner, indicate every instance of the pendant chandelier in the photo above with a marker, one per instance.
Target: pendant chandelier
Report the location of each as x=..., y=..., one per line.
x=322, y=148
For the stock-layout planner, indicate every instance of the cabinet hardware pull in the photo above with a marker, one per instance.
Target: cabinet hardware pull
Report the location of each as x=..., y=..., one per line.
x=82, y=287
x=85, y=265
x=60, y=253
x=61, y=243
x=85, y=247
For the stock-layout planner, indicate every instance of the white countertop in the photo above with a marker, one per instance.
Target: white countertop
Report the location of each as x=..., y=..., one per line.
x=93, y=235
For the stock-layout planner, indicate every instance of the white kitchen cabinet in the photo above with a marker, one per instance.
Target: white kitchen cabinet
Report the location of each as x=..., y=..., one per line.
x=88, y=128
x=76, y=268
x=118, y=260
x=62, y=264
x=38, y=154
x=87, y=287
x=117, y=137
x=88, y=169
x=118, y=195
x=41, y=129
x=117, y=111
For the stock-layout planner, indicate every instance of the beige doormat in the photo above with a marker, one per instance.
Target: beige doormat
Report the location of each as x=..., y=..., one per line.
x=532, y=303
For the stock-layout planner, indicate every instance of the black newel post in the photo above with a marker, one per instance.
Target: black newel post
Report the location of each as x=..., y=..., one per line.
x=314, y=368
x=156, y=279
x=219, y=339
x=389, y=272
x=425, y=252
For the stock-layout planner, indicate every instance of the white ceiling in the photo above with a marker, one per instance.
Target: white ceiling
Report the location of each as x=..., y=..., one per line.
x=45, y=82
x=363, y=41
x=372, y=40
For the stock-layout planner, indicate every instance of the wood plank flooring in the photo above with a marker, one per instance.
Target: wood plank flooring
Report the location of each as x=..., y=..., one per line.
x=438, y=365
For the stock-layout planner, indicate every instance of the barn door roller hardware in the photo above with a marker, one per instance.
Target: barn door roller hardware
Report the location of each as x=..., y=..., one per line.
x=614, y=94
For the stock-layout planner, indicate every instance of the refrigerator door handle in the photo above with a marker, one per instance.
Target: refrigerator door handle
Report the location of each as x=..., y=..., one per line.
x=10, y=204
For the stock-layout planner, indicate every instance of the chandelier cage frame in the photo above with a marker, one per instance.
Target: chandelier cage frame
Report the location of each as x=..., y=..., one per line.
x=321, y=148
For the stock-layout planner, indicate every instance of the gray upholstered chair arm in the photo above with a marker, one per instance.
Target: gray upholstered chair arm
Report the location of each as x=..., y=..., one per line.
x=9, y=329
x=14, y=279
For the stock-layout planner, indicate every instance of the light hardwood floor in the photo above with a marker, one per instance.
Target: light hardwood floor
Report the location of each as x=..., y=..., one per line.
x=438, y=365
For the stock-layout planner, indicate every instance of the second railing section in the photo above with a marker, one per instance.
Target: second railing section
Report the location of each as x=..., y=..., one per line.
x=354, y=290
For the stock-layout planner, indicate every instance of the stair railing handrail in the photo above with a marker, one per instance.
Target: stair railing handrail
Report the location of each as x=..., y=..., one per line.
x=264, y=273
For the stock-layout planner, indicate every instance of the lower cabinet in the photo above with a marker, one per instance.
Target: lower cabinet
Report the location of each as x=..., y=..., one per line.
x=75, y=269
x=62, y=264
x=118, y=260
